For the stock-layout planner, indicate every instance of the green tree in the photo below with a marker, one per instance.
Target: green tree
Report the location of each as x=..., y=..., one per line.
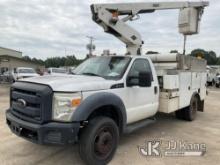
x=26, y=58
x=209, y=56
x=174, y=51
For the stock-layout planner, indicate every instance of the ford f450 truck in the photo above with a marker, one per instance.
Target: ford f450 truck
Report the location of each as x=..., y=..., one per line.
x=107, y=96
x=111, y=95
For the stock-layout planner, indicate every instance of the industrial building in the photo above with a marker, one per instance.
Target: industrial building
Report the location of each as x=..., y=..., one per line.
x=11, y=59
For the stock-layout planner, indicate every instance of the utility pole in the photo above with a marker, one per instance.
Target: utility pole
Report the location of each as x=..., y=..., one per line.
x=184, y=45
x=90, y=46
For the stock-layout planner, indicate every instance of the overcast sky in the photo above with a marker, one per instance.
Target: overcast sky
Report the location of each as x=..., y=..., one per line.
x=46, y=28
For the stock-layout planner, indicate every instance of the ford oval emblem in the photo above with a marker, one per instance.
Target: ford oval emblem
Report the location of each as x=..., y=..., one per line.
x=22, y=102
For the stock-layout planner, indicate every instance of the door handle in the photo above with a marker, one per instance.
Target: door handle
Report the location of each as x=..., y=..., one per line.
x=155, y=90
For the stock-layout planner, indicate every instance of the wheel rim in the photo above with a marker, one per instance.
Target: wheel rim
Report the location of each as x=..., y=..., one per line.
x=103, y=143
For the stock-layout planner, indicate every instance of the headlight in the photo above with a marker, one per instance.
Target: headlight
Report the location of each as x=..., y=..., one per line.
x=64, y=105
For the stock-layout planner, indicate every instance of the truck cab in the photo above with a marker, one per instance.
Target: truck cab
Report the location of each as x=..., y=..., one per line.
x=104, y=95
x=127, y=79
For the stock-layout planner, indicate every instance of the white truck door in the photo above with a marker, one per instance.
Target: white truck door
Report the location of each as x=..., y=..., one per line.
x=140, y=101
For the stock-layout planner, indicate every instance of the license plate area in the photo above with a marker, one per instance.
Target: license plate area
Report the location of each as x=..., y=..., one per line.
x=23, y=132
x=16, y=128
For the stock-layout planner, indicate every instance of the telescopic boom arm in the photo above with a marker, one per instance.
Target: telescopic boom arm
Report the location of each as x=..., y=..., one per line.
x=109, y=17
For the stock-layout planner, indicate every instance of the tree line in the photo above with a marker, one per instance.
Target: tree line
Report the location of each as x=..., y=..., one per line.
x=210, y=56
x=70, y=60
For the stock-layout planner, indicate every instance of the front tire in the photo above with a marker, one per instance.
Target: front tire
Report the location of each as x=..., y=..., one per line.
x=98, y=141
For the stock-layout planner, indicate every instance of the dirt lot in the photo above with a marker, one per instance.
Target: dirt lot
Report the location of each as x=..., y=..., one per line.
x=205, y=129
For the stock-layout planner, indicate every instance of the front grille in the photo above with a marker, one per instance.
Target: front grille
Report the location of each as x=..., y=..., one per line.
x=31, y=102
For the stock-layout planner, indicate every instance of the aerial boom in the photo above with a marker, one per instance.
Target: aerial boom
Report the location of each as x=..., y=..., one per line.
x=113, y=18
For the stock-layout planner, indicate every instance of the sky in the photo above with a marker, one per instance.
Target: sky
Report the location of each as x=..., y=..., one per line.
x=48, y=28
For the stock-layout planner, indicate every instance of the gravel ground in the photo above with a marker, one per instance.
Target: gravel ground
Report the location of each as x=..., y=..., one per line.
x=205, y=129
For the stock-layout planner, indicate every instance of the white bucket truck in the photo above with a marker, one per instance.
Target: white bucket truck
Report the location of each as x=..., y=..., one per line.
x=111, y=95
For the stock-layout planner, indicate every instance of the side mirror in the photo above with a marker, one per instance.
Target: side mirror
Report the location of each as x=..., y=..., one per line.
x=144, y=79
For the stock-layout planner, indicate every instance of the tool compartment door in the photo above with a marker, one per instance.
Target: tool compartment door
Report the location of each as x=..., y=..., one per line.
x=196, y=79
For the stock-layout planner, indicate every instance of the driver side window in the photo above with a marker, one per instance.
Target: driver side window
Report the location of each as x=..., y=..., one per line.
x=139, y=65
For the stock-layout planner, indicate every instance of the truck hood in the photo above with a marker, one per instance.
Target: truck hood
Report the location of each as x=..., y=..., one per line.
x=72, y=83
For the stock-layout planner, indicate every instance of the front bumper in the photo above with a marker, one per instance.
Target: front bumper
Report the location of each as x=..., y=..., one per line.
x=49, y=133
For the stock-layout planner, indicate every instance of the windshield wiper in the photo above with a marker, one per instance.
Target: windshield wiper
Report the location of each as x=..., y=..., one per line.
x=90, y=74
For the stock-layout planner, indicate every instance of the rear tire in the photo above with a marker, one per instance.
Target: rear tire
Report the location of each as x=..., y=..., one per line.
x=217, y=85
x=98, y=141
x=189, y=113
x=213, y=83
x=180, y=114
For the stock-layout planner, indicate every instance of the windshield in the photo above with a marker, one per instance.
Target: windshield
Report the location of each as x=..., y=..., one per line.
x=26, y=71
x=106, y=67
